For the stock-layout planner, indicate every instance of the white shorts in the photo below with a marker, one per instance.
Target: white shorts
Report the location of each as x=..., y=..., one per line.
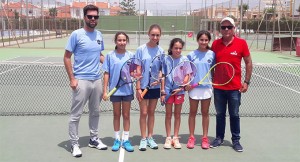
x=200, y=93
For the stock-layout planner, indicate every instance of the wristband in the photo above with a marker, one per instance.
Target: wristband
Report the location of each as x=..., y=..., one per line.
x=247, y=82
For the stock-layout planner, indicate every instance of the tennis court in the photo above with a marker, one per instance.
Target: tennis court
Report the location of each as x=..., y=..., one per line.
x=35, y=102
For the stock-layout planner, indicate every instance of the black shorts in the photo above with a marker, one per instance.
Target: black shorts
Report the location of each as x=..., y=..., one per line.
x=121, y=98
x=152, y=94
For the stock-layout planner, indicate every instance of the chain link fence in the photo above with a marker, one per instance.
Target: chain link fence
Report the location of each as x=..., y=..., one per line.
x=42, y=89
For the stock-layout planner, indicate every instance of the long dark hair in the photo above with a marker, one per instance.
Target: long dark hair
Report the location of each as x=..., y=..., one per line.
x=152, y=27
x=173, y=41
x=204, y=32
x=120, y=33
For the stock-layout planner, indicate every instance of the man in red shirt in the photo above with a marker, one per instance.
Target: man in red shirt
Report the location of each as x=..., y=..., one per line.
x=230, y=49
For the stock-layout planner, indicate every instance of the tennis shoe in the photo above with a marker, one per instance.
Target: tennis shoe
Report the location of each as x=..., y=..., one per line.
x=97, y=144
x=216, y=143
x=76, y=152
x=191, y=142
x=151, y=143
x=127, y=146
x=116, y=146
x=168, y=143
x=143, y=145
x=237, y=146
x=205, y=143
x=176, y=143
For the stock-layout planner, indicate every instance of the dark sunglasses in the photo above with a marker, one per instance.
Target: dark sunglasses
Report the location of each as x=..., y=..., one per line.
x=228, y=27
x=91, y=16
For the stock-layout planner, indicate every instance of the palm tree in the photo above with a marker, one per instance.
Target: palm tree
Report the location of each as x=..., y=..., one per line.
x=245, y=8
x=52, y=12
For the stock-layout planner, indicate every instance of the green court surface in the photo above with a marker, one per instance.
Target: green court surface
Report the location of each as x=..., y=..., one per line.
x=45, y=139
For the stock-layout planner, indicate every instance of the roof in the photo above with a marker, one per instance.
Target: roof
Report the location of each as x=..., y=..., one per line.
x=102, y=5
x=114, y=10
x=19, y=5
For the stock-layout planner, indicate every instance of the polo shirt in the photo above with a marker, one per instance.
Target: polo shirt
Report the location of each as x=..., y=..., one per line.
x=233, y=54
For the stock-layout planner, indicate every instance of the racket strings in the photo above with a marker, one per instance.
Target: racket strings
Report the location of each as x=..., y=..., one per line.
x=223, y=74
x=131, y=71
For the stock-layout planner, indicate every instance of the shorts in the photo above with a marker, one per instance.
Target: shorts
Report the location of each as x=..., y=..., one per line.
x=121, y=98
x=200, y=93
x=152, y=94
x=176, y=99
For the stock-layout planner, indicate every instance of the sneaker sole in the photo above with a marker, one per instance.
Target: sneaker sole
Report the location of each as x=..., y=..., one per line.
x=142, y=149
x=211, y=146
x=114, y=150
x=77, y=156
x=154, y=148
x=92, y=146
x=128, y=150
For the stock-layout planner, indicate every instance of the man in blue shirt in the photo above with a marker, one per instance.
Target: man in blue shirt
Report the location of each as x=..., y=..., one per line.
x=86, y=44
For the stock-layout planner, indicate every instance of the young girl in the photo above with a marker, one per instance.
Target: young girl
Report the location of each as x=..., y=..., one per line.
x=203, y=58
x=124, y=95
x=148, y=103
x=177, y=99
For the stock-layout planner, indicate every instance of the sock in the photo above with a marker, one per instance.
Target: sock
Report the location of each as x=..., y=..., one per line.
x=126, y=135
x=94, y=138
x=117, y=135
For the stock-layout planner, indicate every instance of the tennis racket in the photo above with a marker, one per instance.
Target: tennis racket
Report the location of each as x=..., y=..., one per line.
x=219, y=74
x=130, y=72
x=155, y=71
x=182, y=75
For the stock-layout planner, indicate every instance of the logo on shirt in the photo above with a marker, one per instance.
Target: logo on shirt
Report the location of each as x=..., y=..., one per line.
x=99, y=42
x=233, y=53
x=209, y=61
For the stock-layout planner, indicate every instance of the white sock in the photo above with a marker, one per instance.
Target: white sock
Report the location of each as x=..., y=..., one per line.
x=94, y=138
x=117, y=135
x=126, y=135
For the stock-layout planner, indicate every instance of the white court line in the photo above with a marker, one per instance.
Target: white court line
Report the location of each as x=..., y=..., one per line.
x=122, y=150
x=12, y=58
x=277, y=83
x=19, y=66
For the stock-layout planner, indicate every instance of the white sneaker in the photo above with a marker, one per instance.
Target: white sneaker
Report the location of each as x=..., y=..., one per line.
x=76, y=152
x=97, y=144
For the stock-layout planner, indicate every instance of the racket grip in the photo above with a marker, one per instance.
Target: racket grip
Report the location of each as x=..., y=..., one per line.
x=111, y=92
x=144, y=92
x=194, y=85
x=166, y=99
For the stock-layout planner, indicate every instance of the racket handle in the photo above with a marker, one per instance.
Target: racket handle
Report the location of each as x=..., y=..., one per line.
x=144, y=92
x=166, y=99
x=194, y=85
x=111, y=92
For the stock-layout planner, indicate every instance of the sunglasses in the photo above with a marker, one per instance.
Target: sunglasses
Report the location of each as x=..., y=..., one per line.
x=153, y=35
x=92, y=16
x=228, y=27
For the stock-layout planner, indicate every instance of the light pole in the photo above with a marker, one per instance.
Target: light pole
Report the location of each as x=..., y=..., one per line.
x=241, y=21
x=211, y=12
x=139, y=35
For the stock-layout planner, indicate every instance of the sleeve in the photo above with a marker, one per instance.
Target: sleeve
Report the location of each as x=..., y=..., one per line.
x=213, y=46
x=106, y=63
x=72, y=41
x=245, y=51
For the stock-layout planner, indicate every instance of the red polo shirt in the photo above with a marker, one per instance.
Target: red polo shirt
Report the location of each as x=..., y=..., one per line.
x=233, y=54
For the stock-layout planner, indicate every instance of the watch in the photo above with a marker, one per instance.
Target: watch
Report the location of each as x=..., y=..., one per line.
x=247, y=82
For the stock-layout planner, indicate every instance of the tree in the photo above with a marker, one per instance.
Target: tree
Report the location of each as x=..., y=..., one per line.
x=269, y=13
x=17, y=14
x=52, y=12
x=245, y=8
x=128, y=8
